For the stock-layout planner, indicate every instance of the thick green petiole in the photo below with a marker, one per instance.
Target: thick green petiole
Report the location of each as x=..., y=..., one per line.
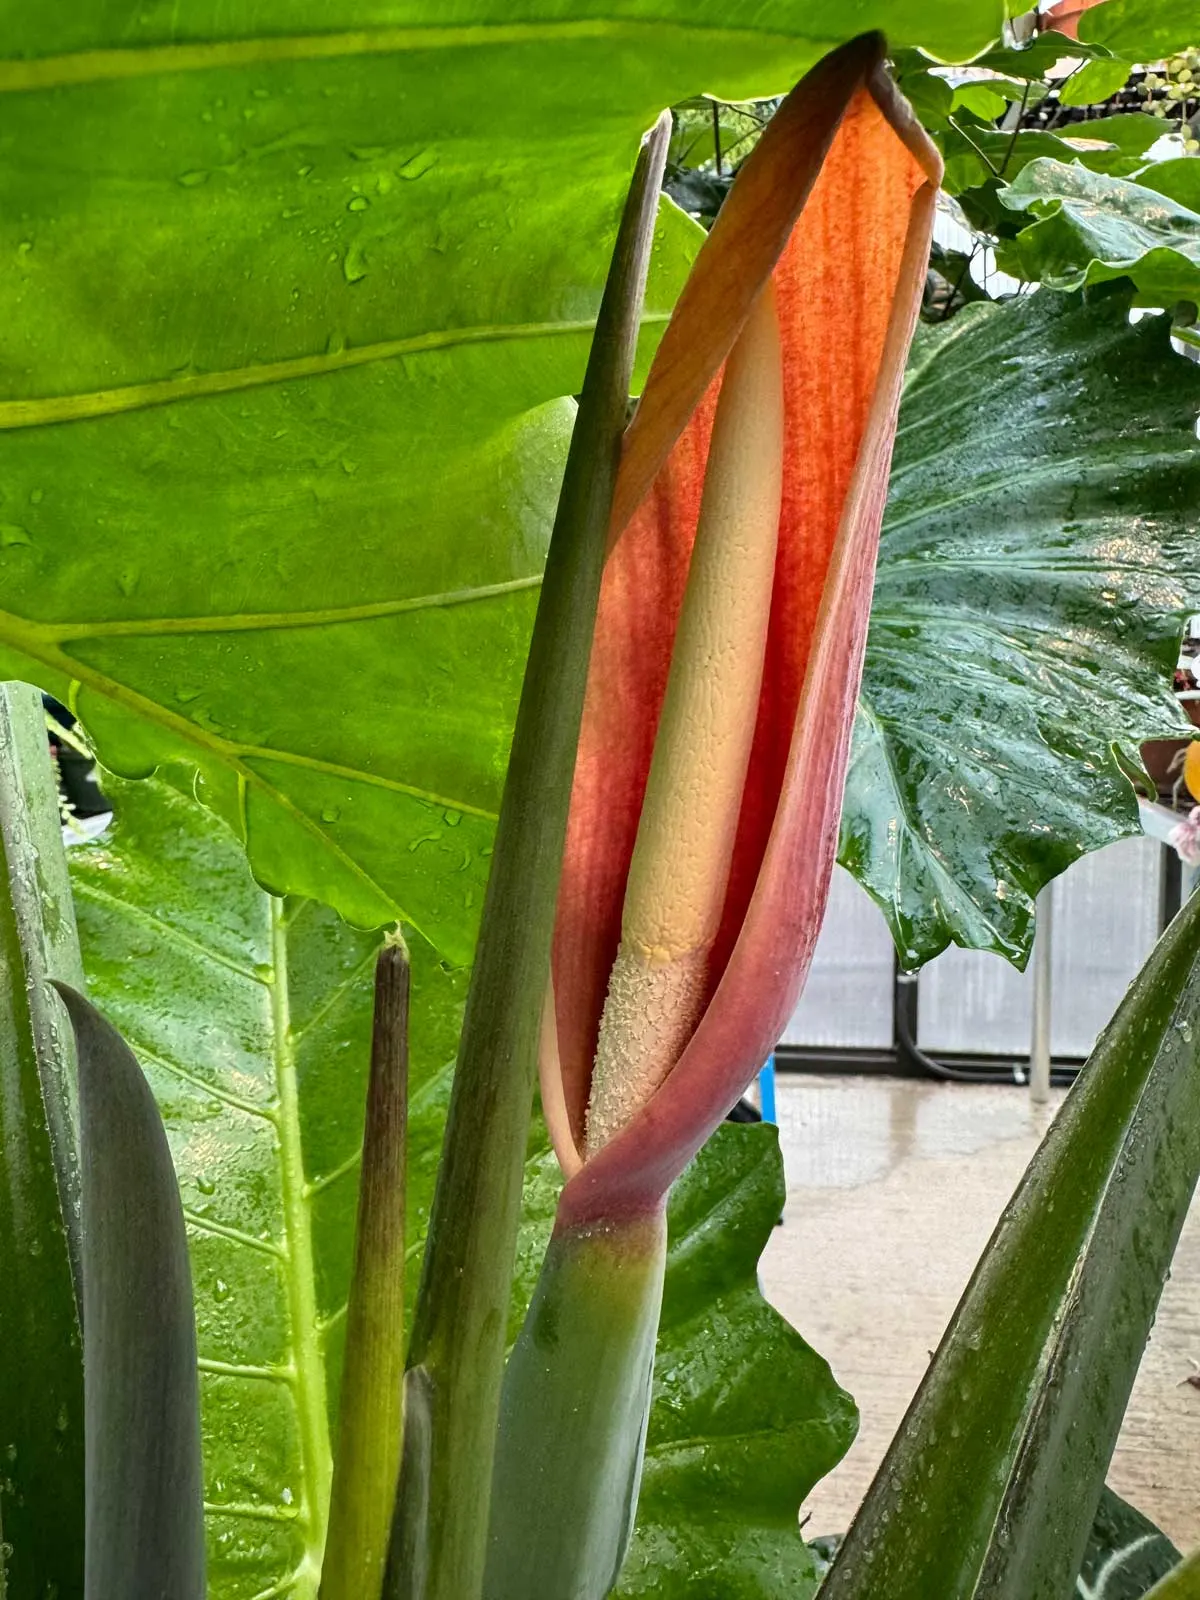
x=370, y=1424
x=457, y=1354
x=41, y=1374
x=573, y=1415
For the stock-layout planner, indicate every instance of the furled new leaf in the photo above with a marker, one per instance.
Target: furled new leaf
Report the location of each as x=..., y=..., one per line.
x=1036, y=569
x=745, y=1416
x=1090, y=228
x=989, y=1488
x=41, y=1371
x=360, y=253
x=143, y=1496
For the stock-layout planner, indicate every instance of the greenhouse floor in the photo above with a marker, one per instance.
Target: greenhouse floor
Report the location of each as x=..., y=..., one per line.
x=893, y=1189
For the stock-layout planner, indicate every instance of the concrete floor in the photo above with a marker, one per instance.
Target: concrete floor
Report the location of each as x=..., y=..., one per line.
x=893, y=1189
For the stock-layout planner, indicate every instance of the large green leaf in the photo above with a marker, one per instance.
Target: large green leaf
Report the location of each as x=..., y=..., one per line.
x=290, y=311
x=989, y=1488
x=203, y=971
x=745, y=1416
x=1091, y=228
x=252, y=1019
x=41, y=1368
x=1037, y=564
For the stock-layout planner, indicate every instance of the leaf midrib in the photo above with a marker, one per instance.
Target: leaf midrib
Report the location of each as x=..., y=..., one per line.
x=308, y=1354
x=80, y=67
x=44, y=410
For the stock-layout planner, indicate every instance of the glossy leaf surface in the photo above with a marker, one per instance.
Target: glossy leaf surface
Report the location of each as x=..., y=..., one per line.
x=252, y=1018
x=1091, y=228
x=41, y=1370
x=745, y=1416
x=143, y=1490
x=360, y=255
x=1036, y=569
x=989, y=1488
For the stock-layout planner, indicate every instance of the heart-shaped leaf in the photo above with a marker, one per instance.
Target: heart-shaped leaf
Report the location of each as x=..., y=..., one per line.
x=289, y=320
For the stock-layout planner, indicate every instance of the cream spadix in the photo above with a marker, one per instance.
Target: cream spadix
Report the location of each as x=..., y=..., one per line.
x=679, y=871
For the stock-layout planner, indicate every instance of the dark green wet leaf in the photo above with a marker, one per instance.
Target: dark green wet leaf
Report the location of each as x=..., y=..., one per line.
x=745, y=1417
x=1126, y=1553
x=309, y=434
x=989, y=1489
x=252, y=1018
x=41, y=1369
x=1090, y=228
x=1037, y=565
x=143, y=1484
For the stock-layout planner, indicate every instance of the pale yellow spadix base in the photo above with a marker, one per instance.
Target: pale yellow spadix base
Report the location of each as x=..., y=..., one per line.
x=680, y=867
x=650, y=1011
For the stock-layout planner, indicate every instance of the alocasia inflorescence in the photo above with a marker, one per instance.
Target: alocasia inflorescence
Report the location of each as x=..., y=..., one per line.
x=708, y=783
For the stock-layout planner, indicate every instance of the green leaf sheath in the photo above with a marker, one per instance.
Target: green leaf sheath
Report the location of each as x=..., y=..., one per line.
x=1036, y=570
x=263, y=1102
x=367, y=1463
x=745, y=1417
x=144, y=1491
x=573, y=1416
x=989, y=1488
x=361, y=249
x=458, y=1333
x=41, y=1371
